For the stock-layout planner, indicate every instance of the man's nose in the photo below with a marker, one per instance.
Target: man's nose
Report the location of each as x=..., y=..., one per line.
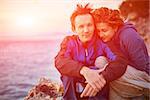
x=86, y=29
x=101, y=34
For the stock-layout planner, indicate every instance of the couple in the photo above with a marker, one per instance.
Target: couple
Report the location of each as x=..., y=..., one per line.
x=102, y=33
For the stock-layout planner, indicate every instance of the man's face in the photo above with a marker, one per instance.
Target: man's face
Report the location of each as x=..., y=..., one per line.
x=105, y=31
x=84, y=27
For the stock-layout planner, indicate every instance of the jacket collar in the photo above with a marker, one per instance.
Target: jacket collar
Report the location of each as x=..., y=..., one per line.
x=89, y=43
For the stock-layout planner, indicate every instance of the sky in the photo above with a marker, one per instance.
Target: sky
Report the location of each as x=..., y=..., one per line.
x=41, y=19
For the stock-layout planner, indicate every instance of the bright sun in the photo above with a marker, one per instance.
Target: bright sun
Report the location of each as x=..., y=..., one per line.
x=21, y=19
x=25, y=21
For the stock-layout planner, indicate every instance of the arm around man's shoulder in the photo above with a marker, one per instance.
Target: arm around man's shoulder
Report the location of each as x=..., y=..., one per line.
x=117, y=62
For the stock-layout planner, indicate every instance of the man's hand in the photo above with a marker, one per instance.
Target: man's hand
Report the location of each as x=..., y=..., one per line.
x=93, y=78
x=88, y=91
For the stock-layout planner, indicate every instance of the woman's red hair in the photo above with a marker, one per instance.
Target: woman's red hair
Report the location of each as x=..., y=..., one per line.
x=106, y=15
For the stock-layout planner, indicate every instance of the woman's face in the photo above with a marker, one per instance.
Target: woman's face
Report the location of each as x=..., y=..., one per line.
x=105, y=31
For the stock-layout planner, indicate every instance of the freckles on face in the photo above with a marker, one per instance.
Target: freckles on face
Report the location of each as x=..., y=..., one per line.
x=105, y=31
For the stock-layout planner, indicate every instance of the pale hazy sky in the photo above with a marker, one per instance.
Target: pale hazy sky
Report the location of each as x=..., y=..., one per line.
x=27, y=19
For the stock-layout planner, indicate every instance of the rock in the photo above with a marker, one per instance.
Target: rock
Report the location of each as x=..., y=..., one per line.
x=45, y=90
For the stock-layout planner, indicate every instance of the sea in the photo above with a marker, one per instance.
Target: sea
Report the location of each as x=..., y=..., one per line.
x=23, y=64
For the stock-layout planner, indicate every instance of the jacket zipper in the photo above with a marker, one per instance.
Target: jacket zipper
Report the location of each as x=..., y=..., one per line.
x=86, y=53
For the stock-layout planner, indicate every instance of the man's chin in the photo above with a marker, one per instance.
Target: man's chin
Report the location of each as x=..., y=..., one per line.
x=104, y=40
x=85, y=40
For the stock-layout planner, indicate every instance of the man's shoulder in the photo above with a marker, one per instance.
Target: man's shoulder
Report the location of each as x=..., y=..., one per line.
x=69, y=39
x=100, y=42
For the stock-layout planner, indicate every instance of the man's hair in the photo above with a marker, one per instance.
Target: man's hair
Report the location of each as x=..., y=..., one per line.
x=110, y=16
x=80, y=10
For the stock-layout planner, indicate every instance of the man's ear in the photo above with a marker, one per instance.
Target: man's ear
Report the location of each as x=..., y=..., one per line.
x=116, y=28
x=73, y=29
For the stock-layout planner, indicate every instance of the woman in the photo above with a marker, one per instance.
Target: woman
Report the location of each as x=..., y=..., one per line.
x=112, y=29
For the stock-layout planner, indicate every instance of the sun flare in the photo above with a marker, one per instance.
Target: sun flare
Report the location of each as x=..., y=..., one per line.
x=25, y=21
x=40, y=18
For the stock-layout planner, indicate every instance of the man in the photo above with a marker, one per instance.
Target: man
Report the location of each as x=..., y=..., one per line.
x=75, y=60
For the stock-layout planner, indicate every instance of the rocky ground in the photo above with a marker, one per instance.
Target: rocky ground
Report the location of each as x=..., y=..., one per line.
x=45, y=90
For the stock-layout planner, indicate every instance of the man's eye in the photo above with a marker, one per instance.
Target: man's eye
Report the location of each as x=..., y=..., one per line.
x=81, y=26
x=104, y=30
x=89, y=25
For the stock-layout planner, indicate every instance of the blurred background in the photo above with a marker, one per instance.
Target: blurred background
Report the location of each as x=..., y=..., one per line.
x=31, y=32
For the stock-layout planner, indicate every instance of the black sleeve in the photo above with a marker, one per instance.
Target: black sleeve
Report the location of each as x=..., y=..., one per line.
x=116, y=68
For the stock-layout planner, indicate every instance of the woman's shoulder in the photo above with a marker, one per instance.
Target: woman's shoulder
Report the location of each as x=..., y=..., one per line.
x=128, y=32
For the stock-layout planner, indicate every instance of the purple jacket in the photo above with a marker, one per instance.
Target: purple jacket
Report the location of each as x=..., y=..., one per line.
x=133, y=47
x=73, y=55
